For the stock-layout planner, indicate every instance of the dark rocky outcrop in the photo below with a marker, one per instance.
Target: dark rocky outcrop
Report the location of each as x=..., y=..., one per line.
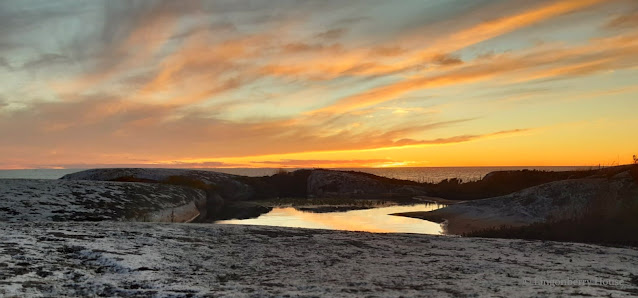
x=280, y=185
x=554, y=201
x=241, y=210
x=501, y=183
x=325, y=183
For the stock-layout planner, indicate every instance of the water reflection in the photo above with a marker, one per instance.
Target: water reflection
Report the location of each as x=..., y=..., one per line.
x=375, y=220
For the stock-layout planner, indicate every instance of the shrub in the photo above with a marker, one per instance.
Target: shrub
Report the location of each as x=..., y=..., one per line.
x=284, y=171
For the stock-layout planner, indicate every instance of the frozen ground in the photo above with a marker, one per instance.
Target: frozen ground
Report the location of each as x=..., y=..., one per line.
x=64, y=200
x=179, y=260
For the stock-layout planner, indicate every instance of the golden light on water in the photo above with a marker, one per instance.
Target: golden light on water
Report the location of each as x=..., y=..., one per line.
x=377, y=220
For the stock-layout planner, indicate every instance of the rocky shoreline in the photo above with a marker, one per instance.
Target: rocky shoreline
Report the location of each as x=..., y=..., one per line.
x=28, y=200
x=554, y=201
x=85, y=235
x=231, y=196
x=203, y=260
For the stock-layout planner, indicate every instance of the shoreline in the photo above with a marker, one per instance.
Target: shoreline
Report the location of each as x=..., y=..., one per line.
x=437, y=200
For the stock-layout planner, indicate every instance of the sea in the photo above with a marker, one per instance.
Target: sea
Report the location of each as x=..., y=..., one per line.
x=419, y=174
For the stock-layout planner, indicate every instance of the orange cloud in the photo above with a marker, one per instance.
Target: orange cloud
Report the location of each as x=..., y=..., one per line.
x=628, y=21
x=609, y=53
x=173, y=82
x=490, y=29
x=305, y=163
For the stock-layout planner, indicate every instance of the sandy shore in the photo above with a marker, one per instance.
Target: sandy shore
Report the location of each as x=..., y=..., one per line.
x=178, y=260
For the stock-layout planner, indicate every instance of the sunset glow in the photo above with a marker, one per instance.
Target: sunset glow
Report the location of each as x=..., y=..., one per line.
x=199, y=84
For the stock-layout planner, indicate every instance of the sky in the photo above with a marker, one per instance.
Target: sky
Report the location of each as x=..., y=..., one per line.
x=359, y=83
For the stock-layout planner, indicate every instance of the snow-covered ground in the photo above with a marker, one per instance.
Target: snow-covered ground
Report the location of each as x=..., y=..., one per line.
x=64, y=200
x=178, y=260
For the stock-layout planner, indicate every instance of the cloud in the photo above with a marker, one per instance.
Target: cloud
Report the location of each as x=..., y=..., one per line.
x=627, y=21
x=543, y=62
x=179, y=81
x=5, y=64
x=454, y=139
x=332, y=33
x=123, y=128
x=298, y=163
x=348, y=61
x=501, y=25
x=150, y=164
x=388, y=51
x=46, y=60
x=200, y=61
x=447, y=60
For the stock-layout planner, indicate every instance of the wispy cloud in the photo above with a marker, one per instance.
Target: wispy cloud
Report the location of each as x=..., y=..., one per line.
x=543, y=62
x=106, y=82
x=626, y=21
x=296, y=163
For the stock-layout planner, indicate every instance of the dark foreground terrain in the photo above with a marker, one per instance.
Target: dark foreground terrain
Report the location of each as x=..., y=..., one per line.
x=203, y=260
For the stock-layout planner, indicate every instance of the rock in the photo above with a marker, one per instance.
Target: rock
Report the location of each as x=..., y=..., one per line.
x=224, y=191
x=64, y=200
x=228, y=186
x=241, y=210
x=221, y=189
x=501, y=183
x=551, y=201
x=325, y=183
x=72, y=259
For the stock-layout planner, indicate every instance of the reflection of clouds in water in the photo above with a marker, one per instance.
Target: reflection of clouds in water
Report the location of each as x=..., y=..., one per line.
x=375, y=220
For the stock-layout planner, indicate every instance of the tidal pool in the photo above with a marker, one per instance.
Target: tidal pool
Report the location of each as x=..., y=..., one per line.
x=377, y=220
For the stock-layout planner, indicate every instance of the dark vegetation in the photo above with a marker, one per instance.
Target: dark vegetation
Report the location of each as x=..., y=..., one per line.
x=605, y=222
x=294, y=184
x=280, y=185
x=386, y=180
